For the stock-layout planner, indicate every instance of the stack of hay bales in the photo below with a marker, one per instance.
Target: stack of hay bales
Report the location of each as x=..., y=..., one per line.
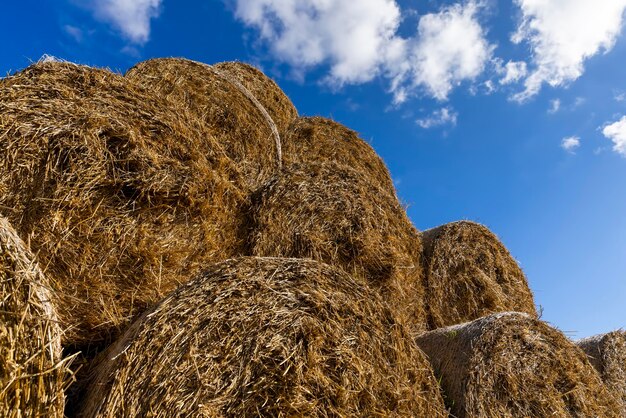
x=266, y=337
x=469, y=274
x=122, y=195
x=511, y=365
x=33, y=375
x=251, y=262
x=607, y=353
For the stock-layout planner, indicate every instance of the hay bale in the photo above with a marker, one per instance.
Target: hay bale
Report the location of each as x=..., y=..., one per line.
x=266, y=337
x=469, y=274
x=512, y=365
x=32, y=373
x=273, y=99
x=120, y=194
x=334, y=214
x=607, y=353
x=230, y=112
x=321, y=140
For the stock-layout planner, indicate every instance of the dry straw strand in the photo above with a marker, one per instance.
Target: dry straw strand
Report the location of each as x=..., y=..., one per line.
x=512, y=365
x=122, y=195
x=334, y=214
x=266, y=337
x=33, y=375
x=469, y=273
x=607, y=353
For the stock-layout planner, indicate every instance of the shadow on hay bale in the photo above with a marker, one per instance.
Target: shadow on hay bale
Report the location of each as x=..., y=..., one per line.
x=334, y=214
x=32, y=374
x=266, y=337
x=225, y=107
x=469, y=274
x=321, y=140
x=121, y=196
x=607, y=353
x=511, y=365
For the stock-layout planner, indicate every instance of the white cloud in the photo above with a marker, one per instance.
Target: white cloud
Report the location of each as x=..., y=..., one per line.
x=513, y=72
x=131, y=17
x=555, y=105
x=74, y=32
x=441, y=117
x=353, y=37
x=570, y=144
x=450, y=47
x=562, y=34
x=616, y=132
x=620, y=97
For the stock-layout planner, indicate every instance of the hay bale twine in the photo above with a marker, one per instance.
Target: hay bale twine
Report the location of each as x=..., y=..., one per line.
x=607, y=353
x=266, y=337
x=469, y=274
x=334, y=214
x=121, y=196
x=32, y=373
x=226, y=107
x=275, y=101
x=321, y=140
x=512, y=365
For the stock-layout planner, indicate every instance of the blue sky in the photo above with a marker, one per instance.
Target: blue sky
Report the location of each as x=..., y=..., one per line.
x=509, y=113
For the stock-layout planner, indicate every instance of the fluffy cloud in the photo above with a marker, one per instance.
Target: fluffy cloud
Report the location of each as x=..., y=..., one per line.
x=450, y=47
x=353, y=37
x=358, y=40
x=562, y=35
x=570, y=144
x=513, y=72
x=441, y=117
x=616, y=132
x=131, y=17
x=555, y=105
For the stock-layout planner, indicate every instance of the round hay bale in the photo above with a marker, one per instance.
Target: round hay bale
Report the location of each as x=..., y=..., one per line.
x=266, y=337
x=469, y=274
x=321, y=140
x=607, y=353
x=512, y=365
x=230, y=112
x=121, y=196
x=32, y=373
x=334, y=214
x=275, y=101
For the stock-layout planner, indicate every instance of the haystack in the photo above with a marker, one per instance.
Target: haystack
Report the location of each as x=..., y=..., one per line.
x=334, y=214
x=316, y=139
x=266, y=337
x=607, y=353
x=511, y=365
x=233, y=114
x=120, y=194
x=32, y=374
x=274, y=100
x=470, y=274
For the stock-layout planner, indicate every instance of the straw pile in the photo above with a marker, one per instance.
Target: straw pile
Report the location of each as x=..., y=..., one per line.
x=511, y=365
x=469, y=274
x=266, y=337
x=120, y=194
x=227, y=108
x=334, y=214
x=320, y=140
x=607, y=353
x=32, y=374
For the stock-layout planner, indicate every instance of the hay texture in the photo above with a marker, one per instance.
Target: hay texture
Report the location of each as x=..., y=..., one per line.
x=274, y=100
x=121, y=196
x=511, y=365
x=32, y=373
x=607, y=353
x=225, y=106
x=469, y=274
x=266, y=337
x=321, y=140
x=334, y=214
